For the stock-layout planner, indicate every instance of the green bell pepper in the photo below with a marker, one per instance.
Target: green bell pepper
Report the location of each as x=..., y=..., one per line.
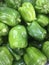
x=36, y=31
x=3, y=29
x=42, y=20
x=13, y=3
x=34, y=57
x=9, y=16
x=5, y=56
x=46, y=49
x=27, y=11
x=42, y=6
x=18, y=37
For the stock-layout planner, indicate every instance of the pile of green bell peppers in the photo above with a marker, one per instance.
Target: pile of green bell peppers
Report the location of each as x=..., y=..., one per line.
x=24, y=32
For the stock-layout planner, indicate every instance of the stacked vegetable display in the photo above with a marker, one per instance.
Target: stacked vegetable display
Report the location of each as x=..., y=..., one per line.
x=24, y=32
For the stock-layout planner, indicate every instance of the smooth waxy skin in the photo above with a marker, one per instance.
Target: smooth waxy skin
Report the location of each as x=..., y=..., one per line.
x=42, y=6
x=27, y=11
x=18, y=37
x=9, y=16
x=42, y=20
x=46, y=49
x=13, y=3
x=36, y=31
x=3, y=29
x=34, y=57
x=5, y=56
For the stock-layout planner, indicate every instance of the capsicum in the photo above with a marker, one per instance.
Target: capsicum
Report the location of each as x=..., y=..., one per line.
x=9, y=16
x=34, y=57
x=18, y=37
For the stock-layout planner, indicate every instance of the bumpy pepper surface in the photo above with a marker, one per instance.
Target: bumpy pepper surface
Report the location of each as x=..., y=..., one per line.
x=5, y=56
x=3, y=29
x=42, y=6
x=9, y=16
x=18, y=37
x=27, y=11
x=42, y=20
x=46, y=49
x=13, y=3
x=36, y=31
x=34, y=57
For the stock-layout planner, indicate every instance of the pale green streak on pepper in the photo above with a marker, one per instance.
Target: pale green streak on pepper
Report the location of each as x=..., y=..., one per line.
x=9, y=16
x=27, y=11
x=3, y=29
x=18, y=37
x=34, y=57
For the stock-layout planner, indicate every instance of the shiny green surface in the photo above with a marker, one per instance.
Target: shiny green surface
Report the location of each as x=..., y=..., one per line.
x=5, y=56
x=36, y=31
x=27, y=11
x=24, y=32
x=42, y=6
x=18, y=37
x=9, y=16
x=34, y=57
x=43, y=20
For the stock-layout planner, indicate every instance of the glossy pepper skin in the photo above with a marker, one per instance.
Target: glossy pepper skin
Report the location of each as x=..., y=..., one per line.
x=45, y=49
x=9, y=16
x=27, y=11
x=18, y=37
x=34, y=57
x=42, y=6
x=3, y=29
x=36, y=31
x=5, y=56
x=13, y=3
